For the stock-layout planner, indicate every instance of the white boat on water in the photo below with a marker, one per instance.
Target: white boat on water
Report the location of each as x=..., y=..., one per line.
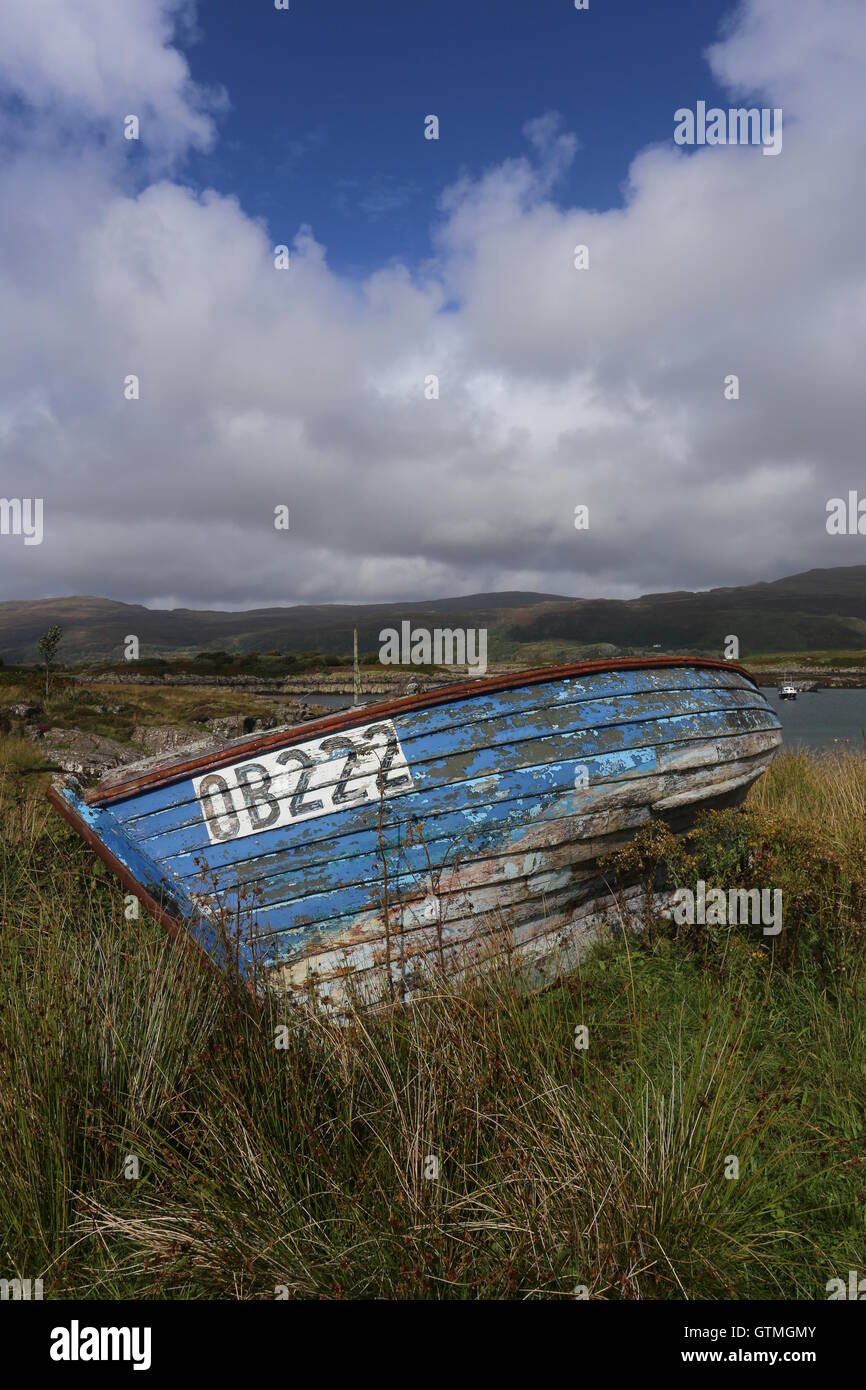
x=787, y=689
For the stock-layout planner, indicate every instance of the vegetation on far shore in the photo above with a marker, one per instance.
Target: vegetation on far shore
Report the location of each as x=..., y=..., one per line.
x=854, y=659
x=306, y=1169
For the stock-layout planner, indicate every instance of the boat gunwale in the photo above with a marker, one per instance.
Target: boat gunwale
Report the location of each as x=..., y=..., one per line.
x=176, y=771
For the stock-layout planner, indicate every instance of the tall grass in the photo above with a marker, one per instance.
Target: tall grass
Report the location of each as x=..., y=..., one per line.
x=463, y=1147
x=824, y=790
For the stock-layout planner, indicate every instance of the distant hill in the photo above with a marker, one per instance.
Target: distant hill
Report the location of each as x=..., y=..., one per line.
x=816, y=610
x=94, y=629
x=821, y=608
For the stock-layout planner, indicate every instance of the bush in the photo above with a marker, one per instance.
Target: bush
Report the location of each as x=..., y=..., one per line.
x=823, y=884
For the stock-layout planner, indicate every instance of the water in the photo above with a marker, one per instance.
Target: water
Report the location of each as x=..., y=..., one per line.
x=824, y=719
x=326, y=698
x=332, y=701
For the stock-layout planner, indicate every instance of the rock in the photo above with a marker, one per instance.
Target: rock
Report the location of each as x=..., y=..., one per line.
x=227, y=727
x=233, y=726
x=158, y=739
x=86, y=755
x=25, y=711
x=263, y=725
x=301, y=714
x=247, y=683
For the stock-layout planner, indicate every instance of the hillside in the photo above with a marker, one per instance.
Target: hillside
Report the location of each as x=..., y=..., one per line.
x=817, y=610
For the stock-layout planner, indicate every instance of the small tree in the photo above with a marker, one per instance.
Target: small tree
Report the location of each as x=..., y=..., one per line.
x=48, y=645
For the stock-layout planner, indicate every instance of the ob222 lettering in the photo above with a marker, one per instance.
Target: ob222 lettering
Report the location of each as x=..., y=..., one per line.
x=317, y=778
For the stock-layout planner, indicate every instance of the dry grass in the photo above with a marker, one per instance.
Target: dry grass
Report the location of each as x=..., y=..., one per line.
x=826, y=790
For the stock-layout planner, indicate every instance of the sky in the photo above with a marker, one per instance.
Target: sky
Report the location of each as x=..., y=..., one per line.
x=310, y=388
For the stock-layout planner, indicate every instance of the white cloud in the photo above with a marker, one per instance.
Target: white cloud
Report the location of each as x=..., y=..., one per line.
x=558, y=387
x=809, y=59
x=96, y=61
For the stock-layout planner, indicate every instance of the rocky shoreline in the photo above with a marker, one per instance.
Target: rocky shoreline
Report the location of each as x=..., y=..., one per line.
x=811, y=678
x=307, y=686
x=90, y=755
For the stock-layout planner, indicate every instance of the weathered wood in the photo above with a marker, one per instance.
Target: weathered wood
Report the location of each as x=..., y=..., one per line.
x=542, y=948
x=677, y=771
x=432, y=833
x=452, y=910
x=635, y=668
x=433, y=765
x=570, y=838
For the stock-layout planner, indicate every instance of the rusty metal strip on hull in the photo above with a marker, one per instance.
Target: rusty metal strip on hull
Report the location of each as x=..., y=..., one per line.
x=352, y=717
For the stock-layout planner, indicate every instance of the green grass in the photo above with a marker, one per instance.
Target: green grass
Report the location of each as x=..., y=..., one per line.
x=114, y=710
x=17, y=756
x=304, y=1167
x=849, y=659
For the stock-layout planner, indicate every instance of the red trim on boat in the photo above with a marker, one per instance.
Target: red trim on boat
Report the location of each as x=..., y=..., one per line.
x=349, y=718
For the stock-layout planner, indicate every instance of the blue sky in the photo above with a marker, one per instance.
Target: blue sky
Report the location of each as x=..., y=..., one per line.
x=328, y=99
x=413, y=262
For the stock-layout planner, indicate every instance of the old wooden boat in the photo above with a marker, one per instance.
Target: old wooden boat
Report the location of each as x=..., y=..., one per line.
x=361, y=850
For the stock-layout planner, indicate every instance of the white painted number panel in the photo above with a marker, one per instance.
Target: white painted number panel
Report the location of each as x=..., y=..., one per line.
x=318, y=778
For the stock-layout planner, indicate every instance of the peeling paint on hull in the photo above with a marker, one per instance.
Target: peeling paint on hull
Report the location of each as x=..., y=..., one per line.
x=494, y=803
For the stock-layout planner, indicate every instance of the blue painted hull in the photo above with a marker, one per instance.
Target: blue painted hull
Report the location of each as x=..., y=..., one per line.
x=433, y=832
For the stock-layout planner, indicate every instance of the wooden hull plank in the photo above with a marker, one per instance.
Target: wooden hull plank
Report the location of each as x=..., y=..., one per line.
x=486, y=825
x=434, y=764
